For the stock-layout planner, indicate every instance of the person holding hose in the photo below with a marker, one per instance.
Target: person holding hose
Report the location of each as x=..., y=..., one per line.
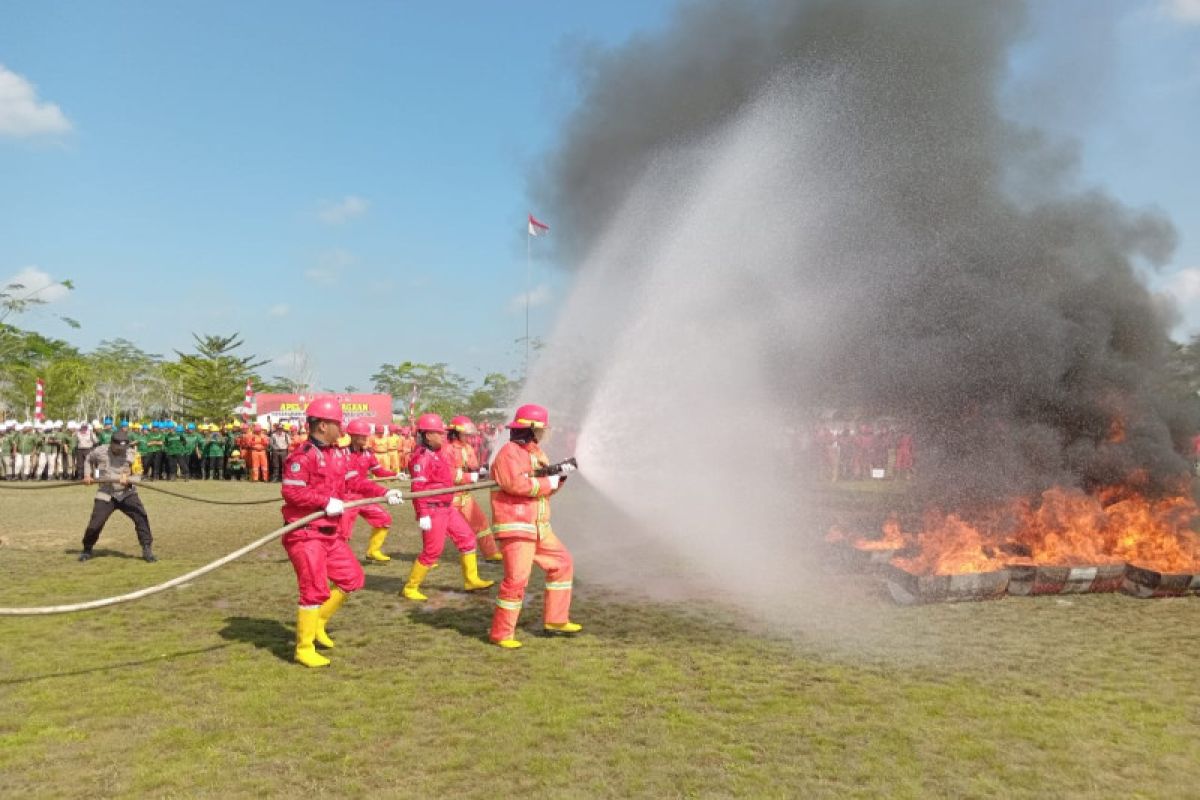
x=436, y=516
x=114, y=462
x=365, y=461
x=465, y=460
x=318, y=477
x=521, y=524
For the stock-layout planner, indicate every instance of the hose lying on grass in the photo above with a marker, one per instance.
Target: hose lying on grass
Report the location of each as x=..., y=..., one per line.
x=143, y=485
x=220, y=562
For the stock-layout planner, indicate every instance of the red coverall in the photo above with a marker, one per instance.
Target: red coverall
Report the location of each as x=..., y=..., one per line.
x=364, y=462
x=312, y=474
x=521, y=523
x=462, y=456
x=431, y=470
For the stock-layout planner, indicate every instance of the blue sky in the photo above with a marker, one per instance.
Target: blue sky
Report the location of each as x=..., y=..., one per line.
x=349, y=180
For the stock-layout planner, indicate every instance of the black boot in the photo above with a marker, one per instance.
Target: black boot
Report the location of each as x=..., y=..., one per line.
x=147, y=555
x=86, y=555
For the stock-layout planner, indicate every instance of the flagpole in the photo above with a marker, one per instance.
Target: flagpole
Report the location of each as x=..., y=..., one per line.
x=528, y=280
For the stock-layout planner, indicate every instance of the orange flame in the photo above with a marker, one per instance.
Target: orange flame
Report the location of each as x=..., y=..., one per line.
x=1064, y=527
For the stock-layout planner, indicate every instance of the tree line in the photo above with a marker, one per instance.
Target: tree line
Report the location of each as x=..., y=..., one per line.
x=118, y=379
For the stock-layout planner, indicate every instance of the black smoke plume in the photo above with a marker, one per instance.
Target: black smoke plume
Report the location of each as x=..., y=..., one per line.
x=945, y=272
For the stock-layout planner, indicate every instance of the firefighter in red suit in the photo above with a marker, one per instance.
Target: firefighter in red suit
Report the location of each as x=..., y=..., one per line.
x=318, y=477
x=365, y=461
x=465, y=460
x=521, y=524
x=431, y=468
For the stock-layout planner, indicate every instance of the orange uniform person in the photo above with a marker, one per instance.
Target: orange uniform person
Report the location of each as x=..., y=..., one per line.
x=521, y=523
x=393, y=447
x=407, y=445
x=466, y=470
x=257, y=443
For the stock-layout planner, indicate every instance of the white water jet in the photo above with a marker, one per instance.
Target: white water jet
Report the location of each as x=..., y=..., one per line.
x=667, y=375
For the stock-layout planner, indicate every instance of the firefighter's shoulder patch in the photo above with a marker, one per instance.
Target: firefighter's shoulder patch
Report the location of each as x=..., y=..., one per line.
x=416, y=467
x=295, y=466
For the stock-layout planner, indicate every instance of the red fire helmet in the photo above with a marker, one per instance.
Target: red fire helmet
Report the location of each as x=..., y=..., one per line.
x=358, y=427
x=462, y=425
x=530, y=416
x=430, y=423
x=325, y=408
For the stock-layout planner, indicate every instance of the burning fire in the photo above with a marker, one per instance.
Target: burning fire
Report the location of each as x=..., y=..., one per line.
x=1064, y=527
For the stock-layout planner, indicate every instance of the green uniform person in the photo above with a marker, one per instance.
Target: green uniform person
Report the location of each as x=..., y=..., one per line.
x=175, y=446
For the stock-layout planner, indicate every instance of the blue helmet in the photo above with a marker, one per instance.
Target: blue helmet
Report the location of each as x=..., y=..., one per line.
x=191, y=426
x=124, y=423
x=107, y=421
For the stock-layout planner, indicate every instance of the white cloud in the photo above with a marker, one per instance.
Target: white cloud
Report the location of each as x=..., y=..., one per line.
x=278, y=310
x=329, y=267
x=36, y=284
x=1183, y=10
x=347, y=208
x=22, y=114
x=538, y=296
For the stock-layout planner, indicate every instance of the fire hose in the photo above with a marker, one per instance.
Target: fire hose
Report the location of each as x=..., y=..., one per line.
x=220, y=562
x=142, y=485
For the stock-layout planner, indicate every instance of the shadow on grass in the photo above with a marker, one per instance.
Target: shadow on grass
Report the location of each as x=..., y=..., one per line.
x=463, y=620
x=265, y=634
x=107, y=667
x=103, y=553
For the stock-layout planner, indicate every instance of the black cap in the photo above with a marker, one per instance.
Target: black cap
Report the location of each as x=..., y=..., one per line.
x=120, y=437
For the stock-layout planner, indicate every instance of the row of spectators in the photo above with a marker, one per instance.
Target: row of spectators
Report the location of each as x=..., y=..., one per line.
x=170, y=450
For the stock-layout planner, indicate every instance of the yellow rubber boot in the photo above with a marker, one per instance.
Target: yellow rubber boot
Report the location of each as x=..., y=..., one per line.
x=327, y=610
x=508, y=644
x=470, y=570
x=307, y=620
x=374, y=553
x=412, y=589
x=563, y=627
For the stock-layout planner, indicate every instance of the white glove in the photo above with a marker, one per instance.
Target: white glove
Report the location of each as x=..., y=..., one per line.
x=394, y=497
x=553, y=482
x=425, y=523
x=567, y=469
x=334, y=507
x=474, y=476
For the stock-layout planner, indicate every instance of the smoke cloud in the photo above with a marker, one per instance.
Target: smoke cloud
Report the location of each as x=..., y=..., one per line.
x=780, y=207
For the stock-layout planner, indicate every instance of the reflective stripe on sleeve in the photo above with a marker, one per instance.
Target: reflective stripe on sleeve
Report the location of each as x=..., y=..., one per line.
x=352, y=473
x=293, y=482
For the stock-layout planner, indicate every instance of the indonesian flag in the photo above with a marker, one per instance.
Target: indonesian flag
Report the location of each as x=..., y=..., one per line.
x=249, y=398
x=39, y=401
x=412, y=401
x=537, y=228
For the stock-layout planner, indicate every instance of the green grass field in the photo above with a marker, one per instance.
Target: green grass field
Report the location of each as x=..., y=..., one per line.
x=191, y=693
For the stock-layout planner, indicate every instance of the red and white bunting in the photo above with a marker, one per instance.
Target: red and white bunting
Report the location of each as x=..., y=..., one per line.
x=537, y=228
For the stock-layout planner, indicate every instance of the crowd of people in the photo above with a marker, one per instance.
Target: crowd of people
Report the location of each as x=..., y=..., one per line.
x=859, y=451
x=171, y=450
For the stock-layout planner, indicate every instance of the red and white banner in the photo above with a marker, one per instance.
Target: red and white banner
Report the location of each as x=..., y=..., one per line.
x=246, y=408
x=537, y=228
x=39, y=401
